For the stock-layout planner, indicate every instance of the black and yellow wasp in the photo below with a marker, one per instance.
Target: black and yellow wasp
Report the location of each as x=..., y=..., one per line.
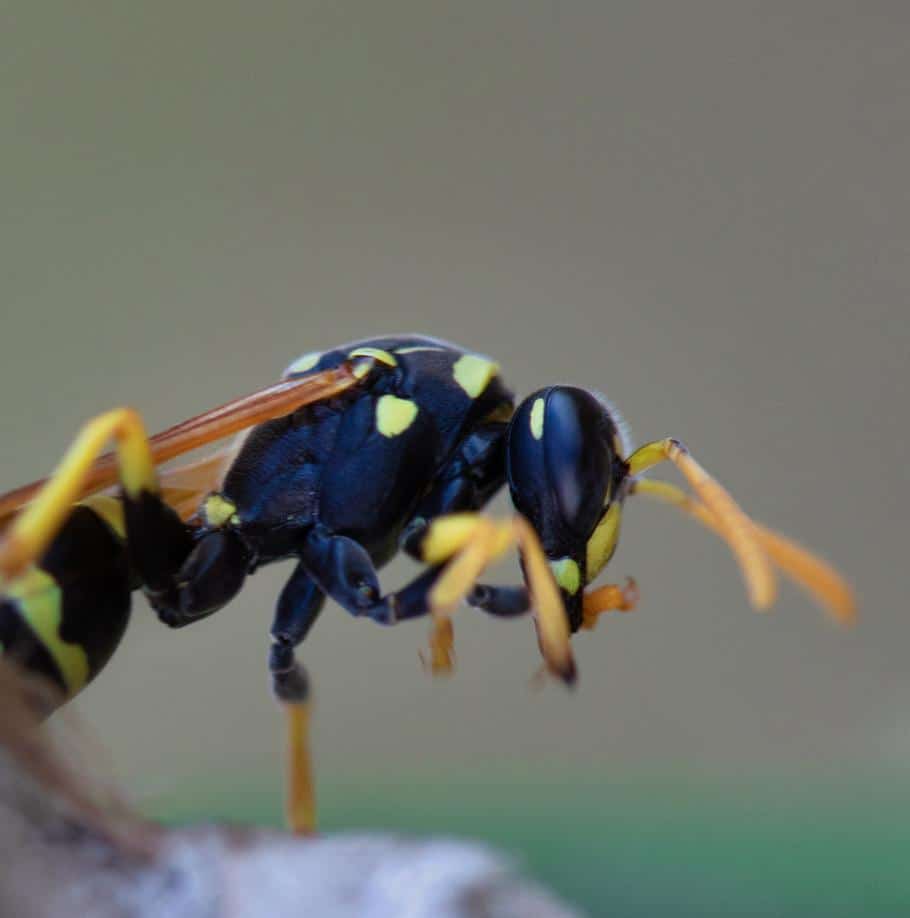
x=380, y=445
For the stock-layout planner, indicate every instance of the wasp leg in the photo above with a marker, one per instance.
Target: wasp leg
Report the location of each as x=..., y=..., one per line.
x=63, y=620
x=501, y=601
x=32, y=532
x=813, y=574
x=470, y=479
x=608, y=598
x=298, y=608
x=210, y=577
x=475, y=474
x=440, y=660
x=472, y=542
x=735, y=527
x=465, y=543
x=512, y=601
x=343, y=570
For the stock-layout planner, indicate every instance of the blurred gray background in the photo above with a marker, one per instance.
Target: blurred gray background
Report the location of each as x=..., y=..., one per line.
x=700, y=209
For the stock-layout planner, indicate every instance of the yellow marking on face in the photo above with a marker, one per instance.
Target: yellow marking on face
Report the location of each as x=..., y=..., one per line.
x=363, y=368
x=603, y=540
x=394, y=415
x=304, y=363
x=110, y=510
x=218, y=511
x=40, y=602
x=376, y=353
x=417, y=349
x=567, y=574
x=537, y=418
x=473, y=373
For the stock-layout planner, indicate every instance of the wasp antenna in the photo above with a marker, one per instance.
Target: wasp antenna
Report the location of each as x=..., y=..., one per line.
x=815, y=576
x=733, y=524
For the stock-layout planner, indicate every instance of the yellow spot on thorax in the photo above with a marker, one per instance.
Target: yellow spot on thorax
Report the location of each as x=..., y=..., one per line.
x=40, y=602
x=537, y=418
x=603, y=540
x=473, y=373
x=219, y=511
x=376, y=353
x=567, y=574
x=303, y=363
x=394, y=415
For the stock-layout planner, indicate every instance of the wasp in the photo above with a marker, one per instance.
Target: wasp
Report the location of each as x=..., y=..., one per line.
x=381, y=445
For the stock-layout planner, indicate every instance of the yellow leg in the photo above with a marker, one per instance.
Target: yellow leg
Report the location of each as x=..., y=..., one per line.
x=441, y=658
x=813, y=574
x=300, y=800
x=733, y=525
x=34, y=529
x=609, y=598
x=473, y=541
x=469, y=541
x=552, y=621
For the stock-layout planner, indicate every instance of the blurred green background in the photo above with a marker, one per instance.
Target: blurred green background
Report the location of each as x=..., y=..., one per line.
x=701, y=209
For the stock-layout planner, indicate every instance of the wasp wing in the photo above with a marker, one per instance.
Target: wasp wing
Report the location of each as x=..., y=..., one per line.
x=275, y=401
x=184, y=486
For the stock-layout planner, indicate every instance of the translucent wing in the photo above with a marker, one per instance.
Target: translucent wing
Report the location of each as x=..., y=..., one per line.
x=275, y=401
x=184, y=486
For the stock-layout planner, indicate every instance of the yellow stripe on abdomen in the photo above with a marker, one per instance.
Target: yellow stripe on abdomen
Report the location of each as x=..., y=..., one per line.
x=40, y=602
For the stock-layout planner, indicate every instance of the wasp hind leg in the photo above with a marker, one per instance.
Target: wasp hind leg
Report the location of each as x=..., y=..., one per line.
x=33, y=530
x=63, y=619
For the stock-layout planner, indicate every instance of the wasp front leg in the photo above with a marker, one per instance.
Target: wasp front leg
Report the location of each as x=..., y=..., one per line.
x=466, y=484
x=345, y=571
x=446, y=531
